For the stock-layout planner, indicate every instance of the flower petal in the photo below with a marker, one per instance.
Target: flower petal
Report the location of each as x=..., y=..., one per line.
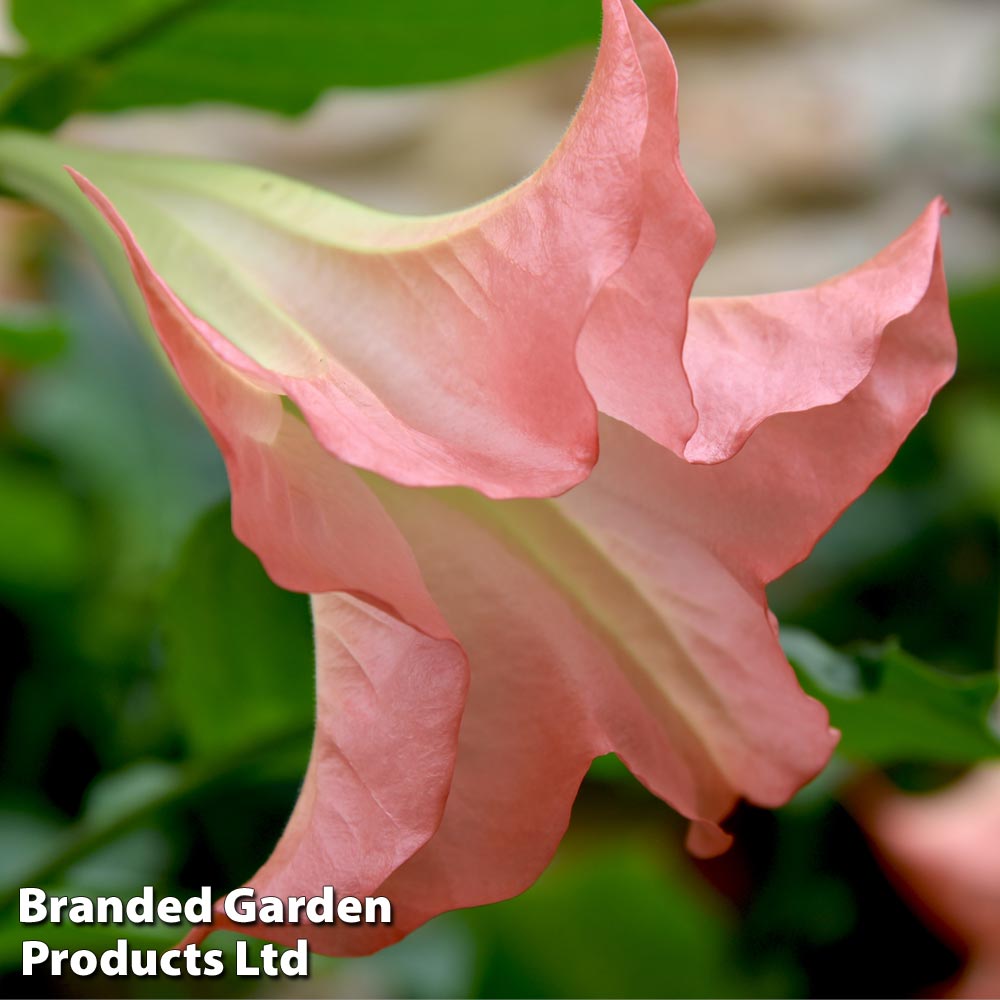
x=388, y=701
x=443, y=350
x=753, y=357
x=630, y=350
x=592, y=624
x=392, y=679
x=630, y=615
x=769, y=503
x=942, y=850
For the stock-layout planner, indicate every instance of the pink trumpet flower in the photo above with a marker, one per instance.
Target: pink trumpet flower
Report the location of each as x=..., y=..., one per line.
x=492, y=609
x=458, y=350
x=942, y=850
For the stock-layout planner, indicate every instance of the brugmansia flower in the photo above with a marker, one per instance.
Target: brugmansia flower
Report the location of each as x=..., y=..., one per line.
x=492, y=609
x=942, y=849
x=464, y=349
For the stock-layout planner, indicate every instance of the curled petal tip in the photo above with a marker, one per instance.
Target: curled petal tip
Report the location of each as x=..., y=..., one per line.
x=451, y=358
x=469, y=349
x=754, y=358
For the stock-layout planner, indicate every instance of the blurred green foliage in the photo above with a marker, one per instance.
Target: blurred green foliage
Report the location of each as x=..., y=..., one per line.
x=594, y=928
x=238, y=653
x=42, y=543
x=126, y=53
x=30, y=336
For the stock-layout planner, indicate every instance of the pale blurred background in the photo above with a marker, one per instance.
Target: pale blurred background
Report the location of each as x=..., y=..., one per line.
x=813, y=130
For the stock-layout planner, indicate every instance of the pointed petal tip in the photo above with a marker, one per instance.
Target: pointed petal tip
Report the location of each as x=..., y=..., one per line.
x=707, y=840
x=941, y=204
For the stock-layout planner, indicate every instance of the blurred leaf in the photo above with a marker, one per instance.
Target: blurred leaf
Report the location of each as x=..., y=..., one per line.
x=626, y=919
x=970, y=425
x=610, y=769
x=11, y=69
x=891, y=707
x=920, y=563
x=139, y=856
x=238, y=649
x=127, y=53
x=975, y=314
x=124, y=432
x=26, y=837
x=42, y=542
x=40, y=95
x=435, y=961
x=121, y=792
x=66, y=28
x=127, y=817
x=30, y=336
x=115, y=843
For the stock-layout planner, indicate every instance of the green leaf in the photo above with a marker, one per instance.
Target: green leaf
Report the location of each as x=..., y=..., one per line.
x=59, y=28
x=238, y=649
x=30, y=336
x=41, y=95
x=279, y=56
x=891, y=708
